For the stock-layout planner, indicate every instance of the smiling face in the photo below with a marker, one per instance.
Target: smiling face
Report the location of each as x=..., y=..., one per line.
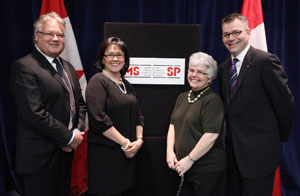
x=113, y=59
x=51, y=46
x=197, y=77
x=235, y=43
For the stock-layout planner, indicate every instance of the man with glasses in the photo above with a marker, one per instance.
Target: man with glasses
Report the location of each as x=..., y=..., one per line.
x=51, y=111
x=259, y=110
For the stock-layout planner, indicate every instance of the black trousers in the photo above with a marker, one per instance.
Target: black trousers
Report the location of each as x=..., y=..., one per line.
x=127, y=193
x=204, y=184
x=56, y=182
x=238, y=185
x=241, y=186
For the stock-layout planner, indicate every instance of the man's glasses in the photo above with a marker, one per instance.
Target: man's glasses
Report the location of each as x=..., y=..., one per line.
x=234, y=33
x=52, y=34
x=111, y=56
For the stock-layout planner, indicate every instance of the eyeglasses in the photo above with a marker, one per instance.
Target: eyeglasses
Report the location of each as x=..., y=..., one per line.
x=52, y=34
x=198, y=72
x=234, y=33
x=111, y=56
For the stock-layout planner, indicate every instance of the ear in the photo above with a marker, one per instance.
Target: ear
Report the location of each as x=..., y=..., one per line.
x=209, y=81
x=35, y=36
x=249, y=31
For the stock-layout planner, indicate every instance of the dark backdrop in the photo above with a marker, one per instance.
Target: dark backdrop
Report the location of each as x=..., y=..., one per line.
x=282, y=23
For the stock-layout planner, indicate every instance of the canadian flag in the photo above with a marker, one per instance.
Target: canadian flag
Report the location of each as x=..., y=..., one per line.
x=252, y=10
x=71, y=54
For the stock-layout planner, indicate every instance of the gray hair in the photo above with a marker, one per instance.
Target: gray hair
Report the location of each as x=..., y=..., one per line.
x=231, y=17
x=205, y=60
x=38, y=24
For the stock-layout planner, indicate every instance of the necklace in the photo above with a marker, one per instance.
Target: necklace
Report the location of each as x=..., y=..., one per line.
x=117, y=83
x=198, y=96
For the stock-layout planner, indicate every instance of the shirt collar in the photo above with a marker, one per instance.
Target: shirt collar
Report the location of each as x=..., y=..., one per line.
x=242, y=55
x=49, y=58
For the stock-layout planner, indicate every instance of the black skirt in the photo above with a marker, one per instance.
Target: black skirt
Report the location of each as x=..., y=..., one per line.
x=109, y=171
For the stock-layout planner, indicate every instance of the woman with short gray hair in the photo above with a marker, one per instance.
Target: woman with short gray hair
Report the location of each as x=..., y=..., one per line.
x=194, y=142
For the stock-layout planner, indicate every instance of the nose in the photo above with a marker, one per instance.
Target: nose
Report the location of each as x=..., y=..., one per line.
x=115, y=57
x=55, y=37
x=231, y=37
x=194, y=73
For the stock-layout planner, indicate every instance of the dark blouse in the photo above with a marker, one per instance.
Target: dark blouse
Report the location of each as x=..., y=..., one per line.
x=108, y=106
x=191, y=121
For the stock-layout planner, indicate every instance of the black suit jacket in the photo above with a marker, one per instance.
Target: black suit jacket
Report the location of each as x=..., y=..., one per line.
x=43, y=107
x=259, y=113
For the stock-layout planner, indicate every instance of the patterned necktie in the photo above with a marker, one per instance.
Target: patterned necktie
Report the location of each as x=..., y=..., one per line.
x=65, y=79
x=233, y=75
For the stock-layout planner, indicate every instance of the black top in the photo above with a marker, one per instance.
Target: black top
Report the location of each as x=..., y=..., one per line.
x=108, y=106
x=191, y=121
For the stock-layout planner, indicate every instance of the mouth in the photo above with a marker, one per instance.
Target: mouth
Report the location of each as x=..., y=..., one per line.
x=115, y=64
x=55, y=45
x=233, y=44
x=195, y=80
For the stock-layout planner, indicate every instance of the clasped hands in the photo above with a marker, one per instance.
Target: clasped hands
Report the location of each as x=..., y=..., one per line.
x=131, y=148
x=78, y=137
x=181, y=166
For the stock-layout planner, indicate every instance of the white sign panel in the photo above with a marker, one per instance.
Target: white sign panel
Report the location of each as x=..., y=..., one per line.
x=156, y=71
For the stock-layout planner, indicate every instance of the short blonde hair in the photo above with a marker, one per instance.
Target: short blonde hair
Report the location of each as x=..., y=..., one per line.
x=38, y=24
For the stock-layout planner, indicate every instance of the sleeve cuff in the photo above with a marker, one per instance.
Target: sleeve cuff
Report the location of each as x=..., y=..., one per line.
x=72, y=138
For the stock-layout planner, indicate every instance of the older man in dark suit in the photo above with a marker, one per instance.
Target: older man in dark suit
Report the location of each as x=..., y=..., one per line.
x=51, y=111
x=259, y=110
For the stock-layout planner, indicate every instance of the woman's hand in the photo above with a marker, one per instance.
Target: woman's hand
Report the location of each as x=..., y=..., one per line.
x=171, y=159
x=183, y=165
x=133, y=148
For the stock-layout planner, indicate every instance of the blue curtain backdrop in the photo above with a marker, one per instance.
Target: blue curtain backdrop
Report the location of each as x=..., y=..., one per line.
x=282, y=23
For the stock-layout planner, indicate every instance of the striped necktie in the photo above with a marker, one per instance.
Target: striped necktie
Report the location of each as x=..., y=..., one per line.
x=65, y=79
x=233, y=75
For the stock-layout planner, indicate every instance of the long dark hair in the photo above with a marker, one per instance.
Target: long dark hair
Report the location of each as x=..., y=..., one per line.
x=107, y=42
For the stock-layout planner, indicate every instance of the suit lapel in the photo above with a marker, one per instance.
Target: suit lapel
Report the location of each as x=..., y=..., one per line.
x=43, y=62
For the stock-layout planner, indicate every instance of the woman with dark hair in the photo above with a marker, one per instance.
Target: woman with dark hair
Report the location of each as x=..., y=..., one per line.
x=115, y=123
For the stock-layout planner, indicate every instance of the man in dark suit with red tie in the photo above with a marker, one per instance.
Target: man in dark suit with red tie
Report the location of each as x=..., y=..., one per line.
x=51, y=112
x=259, y=110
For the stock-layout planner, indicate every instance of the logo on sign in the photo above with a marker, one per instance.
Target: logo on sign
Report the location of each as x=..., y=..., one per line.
x=173, y=71
x=133, y=71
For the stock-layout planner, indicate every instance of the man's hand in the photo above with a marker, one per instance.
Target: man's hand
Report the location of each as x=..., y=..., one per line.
x=78, y=137
x=67, y=149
